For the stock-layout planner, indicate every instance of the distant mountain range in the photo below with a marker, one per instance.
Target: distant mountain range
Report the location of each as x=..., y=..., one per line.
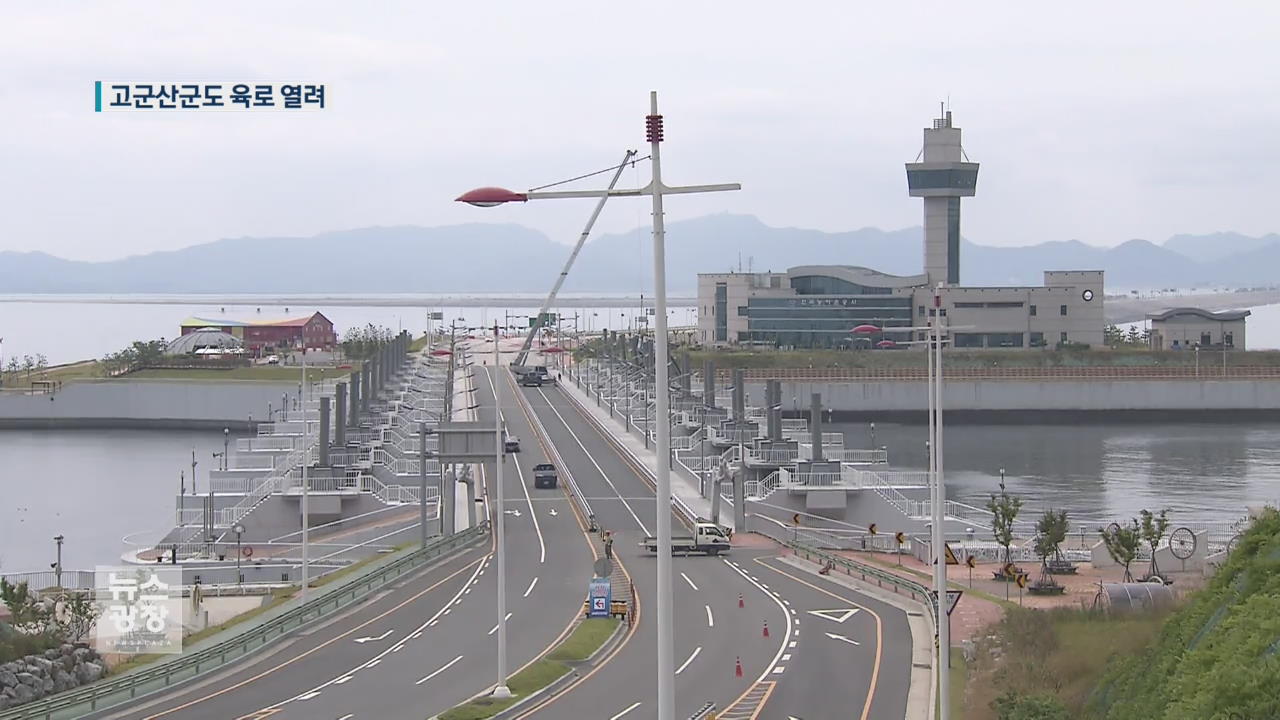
x=511, y=258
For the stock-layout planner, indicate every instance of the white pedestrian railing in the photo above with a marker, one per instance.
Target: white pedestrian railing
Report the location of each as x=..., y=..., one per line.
x=764, y=487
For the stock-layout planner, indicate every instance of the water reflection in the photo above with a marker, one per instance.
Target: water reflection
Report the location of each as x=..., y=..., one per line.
x=1099, y=472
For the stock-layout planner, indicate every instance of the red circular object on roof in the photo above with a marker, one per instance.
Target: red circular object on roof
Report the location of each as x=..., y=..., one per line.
x=865, y=329
x=441, y=351
x=490, y=196
x=553, y=349
x=886, y=344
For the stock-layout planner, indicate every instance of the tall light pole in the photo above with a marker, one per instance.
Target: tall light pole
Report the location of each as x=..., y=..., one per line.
x=499, y=520
x=492, y=196
x=306, y=459
x=942, y=621
x=226, y=440
x=57, y=566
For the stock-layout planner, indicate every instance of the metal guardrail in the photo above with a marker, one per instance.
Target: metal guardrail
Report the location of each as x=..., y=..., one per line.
x=850, y=567
x=575, y=494
x=114, y=691
x=1207, y=371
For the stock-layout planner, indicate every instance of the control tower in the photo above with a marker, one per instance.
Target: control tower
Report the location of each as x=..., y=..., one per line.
x=942, y=176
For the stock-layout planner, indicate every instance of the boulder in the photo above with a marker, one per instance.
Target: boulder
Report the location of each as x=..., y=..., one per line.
x=67, y=663
x=8, y=678
x=81, y=654
x=23, y=694
x=66, y=649
x=62, y=680
x=47, y=685
x=26, y=678
x=44, y=666
x=52, y=654
x=88, y=672
x=4, y=702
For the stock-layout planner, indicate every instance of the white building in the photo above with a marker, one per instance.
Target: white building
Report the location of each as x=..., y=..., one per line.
x=1186, y=328
x=819, y=305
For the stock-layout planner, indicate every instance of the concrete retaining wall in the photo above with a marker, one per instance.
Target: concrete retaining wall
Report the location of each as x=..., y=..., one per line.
x=1040, y=400
x=145, y=404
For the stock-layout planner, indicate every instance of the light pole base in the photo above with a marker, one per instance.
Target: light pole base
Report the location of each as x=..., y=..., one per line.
x=501, y=692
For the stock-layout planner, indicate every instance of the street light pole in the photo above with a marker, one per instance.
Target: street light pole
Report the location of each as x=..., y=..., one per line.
x=499, y=519
x=57, y=566
x=306, y=459
x=942, y=621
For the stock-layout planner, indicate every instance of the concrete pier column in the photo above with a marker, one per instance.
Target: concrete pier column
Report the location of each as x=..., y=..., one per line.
x=448, y=490
x=375, y=374
x=354, y=420
x=740, y=499
x=709, y=383
x=422, y=482
x=815, y=425
x=771, y=420
x=324, y=431
x=686, y=370
x=715, y=495
x=471, y=501
x=366, y=388
x=340, y=415
x=739, y=395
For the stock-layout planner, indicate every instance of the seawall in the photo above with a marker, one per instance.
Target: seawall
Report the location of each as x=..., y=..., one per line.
x=1011, y=400
x=145, y=404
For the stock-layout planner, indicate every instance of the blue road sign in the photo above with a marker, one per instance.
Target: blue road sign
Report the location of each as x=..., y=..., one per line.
x=600, y=594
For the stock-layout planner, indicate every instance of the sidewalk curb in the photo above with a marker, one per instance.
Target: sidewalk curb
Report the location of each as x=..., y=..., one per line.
x=921, y=697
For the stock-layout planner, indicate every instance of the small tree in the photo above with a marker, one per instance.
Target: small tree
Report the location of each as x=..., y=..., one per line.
x=1004, y=510
x=1051, y=532
x=1122, y=545
x=1153, y=530
x=26, y=612
x=28, y=364
x=77, y=614
x=1134, y=337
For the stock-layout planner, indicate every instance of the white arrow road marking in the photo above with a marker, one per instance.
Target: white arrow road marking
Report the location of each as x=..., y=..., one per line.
x=309, y=695
x=838, y=615
x=444, y=667
x=535, y=582
x=553, y=512
x=633, y=706
x=691, y=657
x=495, y=627
x=515, y=512
x=380, y=637
x=834, y=636
x=686, y=579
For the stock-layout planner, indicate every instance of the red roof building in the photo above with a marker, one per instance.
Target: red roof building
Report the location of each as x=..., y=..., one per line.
x=314, y=332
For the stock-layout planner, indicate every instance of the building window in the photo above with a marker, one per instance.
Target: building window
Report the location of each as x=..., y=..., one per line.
x=1205, y=340
x=722, y=314
x=1062, y=337
x=1062, y=310
x=1033, y=311
x=1228, y=340
x=968, y=340
x=1037, y=338
x=921, y=313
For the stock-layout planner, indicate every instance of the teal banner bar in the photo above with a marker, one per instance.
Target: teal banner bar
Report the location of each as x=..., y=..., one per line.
x=97, y=96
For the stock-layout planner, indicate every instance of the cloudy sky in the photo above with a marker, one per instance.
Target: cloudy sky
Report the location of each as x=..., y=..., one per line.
x=1097, y=121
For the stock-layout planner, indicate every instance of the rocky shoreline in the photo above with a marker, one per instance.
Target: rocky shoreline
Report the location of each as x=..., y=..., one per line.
x=33, y=677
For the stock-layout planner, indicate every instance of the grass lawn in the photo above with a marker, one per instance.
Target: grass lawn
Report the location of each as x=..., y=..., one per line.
x=581, y=643
x=586, y=639
x=58, y=373
x=959, y=673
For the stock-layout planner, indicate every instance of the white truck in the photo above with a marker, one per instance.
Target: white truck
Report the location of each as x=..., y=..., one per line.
x=707, y=538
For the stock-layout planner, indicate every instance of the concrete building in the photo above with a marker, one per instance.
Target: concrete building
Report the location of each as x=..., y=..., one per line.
x=1185, y=328
x=314, y=332
x=820, y=305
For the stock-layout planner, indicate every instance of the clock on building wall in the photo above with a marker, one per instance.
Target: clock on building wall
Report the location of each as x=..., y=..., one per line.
x=1087, y=295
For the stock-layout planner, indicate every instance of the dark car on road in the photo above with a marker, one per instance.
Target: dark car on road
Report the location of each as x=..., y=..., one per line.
x=544, y=475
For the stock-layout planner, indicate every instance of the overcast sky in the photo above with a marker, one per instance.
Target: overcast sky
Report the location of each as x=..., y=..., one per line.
x=1096, y=121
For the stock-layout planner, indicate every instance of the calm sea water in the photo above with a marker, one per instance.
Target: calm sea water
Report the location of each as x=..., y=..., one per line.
x=71, y=331
x=1099, y=472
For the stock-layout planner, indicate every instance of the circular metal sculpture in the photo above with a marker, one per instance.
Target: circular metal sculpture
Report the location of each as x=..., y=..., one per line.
x=1182, y=543
x=1232, y=543
x=1113, y=528
x=1087, y=295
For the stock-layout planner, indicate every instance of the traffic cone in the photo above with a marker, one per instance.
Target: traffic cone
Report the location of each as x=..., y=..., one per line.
x=766, y=628
x=737, y=667
x=740, y=603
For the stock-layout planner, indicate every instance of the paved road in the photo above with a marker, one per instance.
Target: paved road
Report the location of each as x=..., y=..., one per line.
x=818, y=676
x=429, y=643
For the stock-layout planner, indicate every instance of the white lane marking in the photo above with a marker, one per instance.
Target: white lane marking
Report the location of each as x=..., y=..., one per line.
x=542, y=546
x=685, y=664
x=778, y=670
x=838, y=615
x=341, y=680
x=599, y=469
x=444, y=667
x=711, y=621
x=378, y=658
x=535, y=582
x=834, y=636
x=380, y=637
x=633, y=706
x=309, y=695
x=792, y=645
x=786, y=638
x=348, y=716
x=786, y=657
x=416, y=635
x=686, y=579
x=495, y=627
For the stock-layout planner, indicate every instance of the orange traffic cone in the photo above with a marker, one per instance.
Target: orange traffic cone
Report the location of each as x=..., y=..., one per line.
x=740, y=603
x=766, y=628
x=737, y=667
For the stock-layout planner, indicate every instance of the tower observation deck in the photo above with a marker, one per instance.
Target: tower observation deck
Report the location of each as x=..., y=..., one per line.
x=942, y=176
